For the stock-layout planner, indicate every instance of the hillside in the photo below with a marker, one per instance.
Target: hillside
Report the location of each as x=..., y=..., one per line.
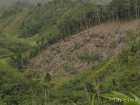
x=71, y=74
x=69, y=52
x=119, y=73
x=72, y=77
x=104, y=40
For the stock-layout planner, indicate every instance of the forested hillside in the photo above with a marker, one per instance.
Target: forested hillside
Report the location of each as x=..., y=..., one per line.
x=68, y=52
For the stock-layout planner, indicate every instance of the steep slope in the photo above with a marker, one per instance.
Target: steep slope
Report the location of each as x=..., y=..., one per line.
x=64, y=56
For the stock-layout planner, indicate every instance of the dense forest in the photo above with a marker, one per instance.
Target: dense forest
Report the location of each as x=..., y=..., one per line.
x=26, y=32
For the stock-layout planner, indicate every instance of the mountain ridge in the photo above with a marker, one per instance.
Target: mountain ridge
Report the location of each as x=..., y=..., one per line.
x=9, y=3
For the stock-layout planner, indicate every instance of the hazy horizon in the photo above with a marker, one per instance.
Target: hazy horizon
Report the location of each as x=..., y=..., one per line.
x=8, y=3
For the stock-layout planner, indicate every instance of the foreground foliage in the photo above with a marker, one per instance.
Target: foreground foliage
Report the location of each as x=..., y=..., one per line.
x=121, y=98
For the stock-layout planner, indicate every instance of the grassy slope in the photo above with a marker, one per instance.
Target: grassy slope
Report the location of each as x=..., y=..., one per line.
x=10, y=37
x=10, y=31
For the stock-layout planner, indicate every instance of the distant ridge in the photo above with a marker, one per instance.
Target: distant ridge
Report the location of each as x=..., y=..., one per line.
x=8, y=3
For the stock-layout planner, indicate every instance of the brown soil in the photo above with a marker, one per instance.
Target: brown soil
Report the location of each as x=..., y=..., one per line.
x=105, y=39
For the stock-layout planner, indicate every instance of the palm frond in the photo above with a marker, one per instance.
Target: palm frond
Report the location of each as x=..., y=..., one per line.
x=137, y=99
x=118, y=97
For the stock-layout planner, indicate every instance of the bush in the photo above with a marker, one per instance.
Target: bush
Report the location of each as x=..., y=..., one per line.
x=90, y=57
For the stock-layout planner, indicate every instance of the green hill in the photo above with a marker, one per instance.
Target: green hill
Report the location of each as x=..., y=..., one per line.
x=63, y=52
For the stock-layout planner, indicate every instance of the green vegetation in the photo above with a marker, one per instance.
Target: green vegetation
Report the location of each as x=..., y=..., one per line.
x=121, y=98
x=69, y=17
x=12, y=85
x=60, y=20
x=90, y=58
x=22, y=88
x=23, y=34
